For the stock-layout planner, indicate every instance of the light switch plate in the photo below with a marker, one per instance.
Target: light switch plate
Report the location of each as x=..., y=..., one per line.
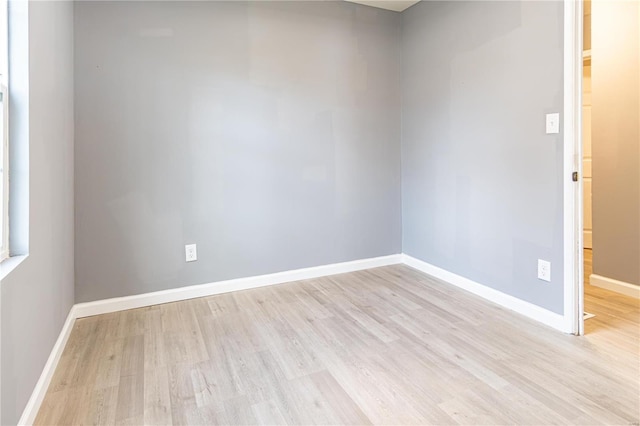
x=553, y=123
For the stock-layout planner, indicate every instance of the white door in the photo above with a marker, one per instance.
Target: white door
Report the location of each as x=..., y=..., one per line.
x=586, y=154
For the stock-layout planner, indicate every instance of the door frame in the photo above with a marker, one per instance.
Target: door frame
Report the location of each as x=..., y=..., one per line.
x=572, y=162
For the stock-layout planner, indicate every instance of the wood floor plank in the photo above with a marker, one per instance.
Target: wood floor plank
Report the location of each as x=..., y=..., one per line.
x=110, y=364
x=237, y=411
x=284, y=344
x=184, y=409
x=102, y=407
x=132, y=356
x=130, y=406
x=346, y=410
x=387, y=345
x=157, y=399
x=268, y=413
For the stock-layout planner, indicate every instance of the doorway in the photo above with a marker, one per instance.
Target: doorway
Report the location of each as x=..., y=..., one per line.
x=587, y=161
x=609, y=152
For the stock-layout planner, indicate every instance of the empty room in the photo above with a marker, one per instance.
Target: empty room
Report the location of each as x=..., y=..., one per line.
x=320, y=212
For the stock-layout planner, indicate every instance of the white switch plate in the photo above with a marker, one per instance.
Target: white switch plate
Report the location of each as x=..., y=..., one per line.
x=191, y=253
x=553, y=123
x=544, y=270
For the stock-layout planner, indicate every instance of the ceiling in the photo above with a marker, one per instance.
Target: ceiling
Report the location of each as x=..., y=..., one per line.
x=395, y=5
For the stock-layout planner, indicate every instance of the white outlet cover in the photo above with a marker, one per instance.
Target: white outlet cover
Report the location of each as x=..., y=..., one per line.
x=191, y=253
x=544, y=270
x=553, y=123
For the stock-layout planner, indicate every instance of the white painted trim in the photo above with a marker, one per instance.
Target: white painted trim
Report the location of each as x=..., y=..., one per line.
x=37, y=396
x=81, y=310
x=202, y=290
x=393, y=5
x=573, y=280
x=614, y=285
x=4, y=150
x=527, y=309
x=9, y=264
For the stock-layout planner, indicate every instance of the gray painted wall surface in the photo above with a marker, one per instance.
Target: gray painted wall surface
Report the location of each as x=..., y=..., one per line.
x=267, y=133
x=481, y=181
x=37, y=296
x=615, y=79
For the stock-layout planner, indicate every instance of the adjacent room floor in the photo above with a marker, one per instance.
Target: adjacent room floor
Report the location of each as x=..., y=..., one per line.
x=616, y=315
x=386, y=346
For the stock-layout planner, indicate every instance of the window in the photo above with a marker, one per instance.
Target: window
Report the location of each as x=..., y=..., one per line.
x=4, y=173
x=4, y=133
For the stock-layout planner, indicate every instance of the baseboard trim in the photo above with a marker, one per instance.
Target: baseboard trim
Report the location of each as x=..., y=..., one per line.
x=615, y=285
x=512, y=303
x=210, y=289
x=37, y=396
x=81, y=310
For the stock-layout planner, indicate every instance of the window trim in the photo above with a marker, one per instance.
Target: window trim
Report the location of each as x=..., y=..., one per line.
x=4, y=155
x=5, y=250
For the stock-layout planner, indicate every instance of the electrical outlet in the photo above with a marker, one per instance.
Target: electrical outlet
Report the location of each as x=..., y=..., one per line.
x=544, y=270
x=191, y=252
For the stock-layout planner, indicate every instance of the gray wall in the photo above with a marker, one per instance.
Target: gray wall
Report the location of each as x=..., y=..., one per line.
x=37, y=296
x=267, y=133
x=481, y=181
x=615, y=116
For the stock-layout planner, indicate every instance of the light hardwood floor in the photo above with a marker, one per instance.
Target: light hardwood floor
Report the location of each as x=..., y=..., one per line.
x=386, y=346
x=616, y=316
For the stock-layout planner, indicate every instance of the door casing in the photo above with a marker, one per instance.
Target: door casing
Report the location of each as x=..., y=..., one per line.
x=572, y=162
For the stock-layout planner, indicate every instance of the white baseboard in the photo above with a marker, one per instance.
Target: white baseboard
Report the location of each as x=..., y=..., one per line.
x=527, y=309
x=210, y=289
x=615, y=285
x=37, y=396
x=81, y=310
